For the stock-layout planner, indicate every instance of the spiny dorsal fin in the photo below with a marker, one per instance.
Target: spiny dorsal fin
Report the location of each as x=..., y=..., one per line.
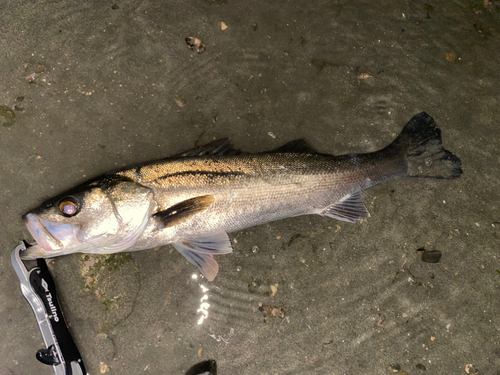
x=223, y=147
x=219, y=147
x=297, y=146
x=182, y=211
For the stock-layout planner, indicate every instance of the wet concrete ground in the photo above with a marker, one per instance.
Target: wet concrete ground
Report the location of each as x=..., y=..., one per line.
x=86, y=87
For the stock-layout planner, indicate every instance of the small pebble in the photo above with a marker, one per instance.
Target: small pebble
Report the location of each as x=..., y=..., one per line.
x=7, y=116
x=431, y=256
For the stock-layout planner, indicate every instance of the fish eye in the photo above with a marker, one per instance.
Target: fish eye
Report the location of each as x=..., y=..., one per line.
x=69, y=206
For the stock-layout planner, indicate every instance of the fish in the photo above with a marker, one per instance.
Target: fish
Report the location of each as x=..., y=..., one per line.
x=194, y=199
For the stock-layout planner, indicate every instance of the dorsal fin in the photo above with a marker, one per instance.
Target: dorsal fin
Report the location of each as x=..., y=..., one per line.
x=219, y=147
x=297, y=146
x=223, y=146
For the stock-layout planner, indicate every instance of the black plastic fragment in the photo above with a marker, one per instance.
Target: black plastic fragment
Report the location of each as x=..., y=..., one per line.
x=204, y=368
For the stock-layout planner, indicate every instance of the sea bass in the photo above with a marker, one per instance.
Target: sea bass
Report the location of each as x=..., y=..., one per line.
x=194, y=199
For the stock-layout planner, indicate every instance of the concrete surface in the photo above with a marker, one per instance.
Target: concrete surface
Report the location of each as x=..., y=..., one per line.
x=88, y=86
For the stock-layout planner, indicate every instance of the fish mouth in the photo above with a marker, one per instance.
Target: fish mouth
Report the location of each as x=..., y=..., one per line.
x=50, y=238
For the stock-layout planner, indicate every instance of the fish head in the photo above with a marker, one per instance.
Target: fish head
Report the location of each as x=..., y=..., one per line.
x=104, y=216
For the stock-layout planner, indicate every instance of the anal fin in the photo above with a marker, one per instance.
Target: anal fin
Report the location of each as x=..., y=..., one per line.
x=200, y=250
x=350, y=209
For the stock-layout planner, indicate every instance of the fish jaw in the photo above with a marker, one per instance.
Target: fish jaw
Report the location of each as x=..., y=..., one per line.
x=50, y=238
x=35, y=252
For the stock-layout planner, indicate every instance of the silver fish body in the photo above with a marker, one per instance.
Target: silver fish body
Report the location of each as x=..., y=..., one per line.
x=192, y=201
x=255, y=189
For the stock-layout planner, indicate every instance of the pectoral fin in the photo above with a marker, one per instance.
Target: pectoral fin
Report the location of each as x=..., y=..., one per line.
x=199, y=251
x=349, y=209
x=182, y=211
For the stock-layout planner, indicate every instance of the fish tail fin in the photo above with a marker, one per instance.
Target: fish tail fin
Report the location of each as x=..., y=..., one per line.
x=421, y=146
